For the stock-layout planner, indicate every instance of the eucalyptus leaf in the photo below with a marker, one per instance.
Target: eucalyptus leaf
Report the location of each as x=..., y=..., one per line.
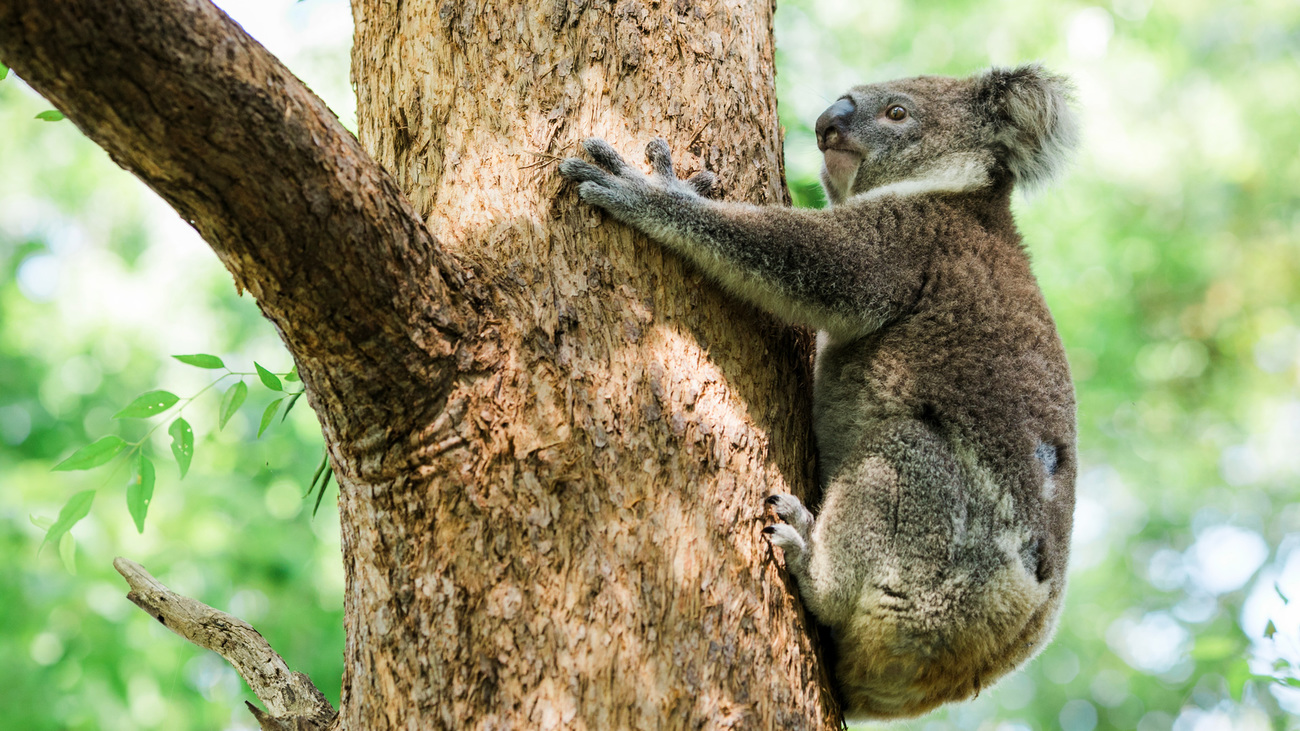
x=182, y=444
x=320, y=495
x=268, y=416
x=231, y=402
x=50, y=115
x=289, y=406
x=77, y=507
x=201, y=360
x=148, y=404
x=92, y=455
x=269, y=379
x=292, y=375
x=68, y=553
x=139, y=491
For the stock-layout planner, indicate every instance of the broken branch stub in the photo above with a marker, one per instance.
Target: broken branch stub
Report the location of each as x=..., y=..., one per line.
x=292, y=701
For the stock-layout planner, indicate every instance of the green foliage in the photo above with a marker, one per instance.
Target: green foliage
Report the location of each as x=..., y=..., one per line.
x=231, y=402
x=92, y=455
x=77, y=507
x=149, y=404
x=268, y=378
x=50, y=115
x=182, y=444
x=268, y=416
x=203, y=360
x=139, y=491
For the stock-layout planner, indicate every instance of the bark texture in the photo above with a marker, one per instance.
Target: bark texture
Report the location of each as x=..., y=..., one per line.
x=552, y=440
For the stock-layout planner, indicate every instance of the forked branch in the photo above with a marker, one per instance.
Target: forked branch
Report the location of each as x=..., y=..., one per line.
x=292, y=701
x=304, y=219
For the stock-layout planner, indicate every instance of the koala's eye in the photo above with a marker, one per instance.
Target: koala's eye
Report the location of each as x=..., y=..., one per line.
x=896, y=113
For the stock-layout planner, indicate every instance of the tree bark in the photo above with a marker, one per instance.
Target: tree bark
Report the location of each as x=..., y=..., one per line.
x=552, y=439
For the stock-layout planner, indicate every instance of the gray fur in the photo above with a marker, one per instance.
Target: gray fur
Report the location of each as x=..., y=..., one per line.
x=942, y=404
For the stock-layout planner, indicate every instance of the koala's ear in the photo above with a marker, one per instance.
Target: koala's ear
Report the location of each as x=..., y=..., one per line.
x=1032, y=118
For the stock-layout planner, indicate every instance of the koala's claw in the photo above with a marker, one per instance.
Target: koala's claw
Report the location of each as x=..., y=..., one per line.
x=788, y=539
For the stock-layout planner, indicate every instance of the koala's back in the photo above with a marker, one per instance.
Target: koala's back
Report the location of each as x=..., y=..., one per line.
x=947, y=455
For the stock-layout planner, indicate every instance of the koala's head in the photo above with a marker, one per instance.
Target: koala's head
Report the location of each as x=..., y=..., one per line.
x=937, y=133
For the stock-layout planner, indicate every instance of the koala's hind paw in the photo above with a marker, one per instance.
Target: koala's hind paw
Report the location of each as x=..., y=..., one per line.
x=789, y=509
x=788, y=539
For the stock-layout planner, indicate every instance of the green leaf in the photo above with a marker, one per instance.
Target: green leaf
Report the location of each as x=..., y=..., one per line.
x=1270, y=629
x=77, y=507
x=320, y=495
x=320, y=470
x=268, y=415
x=92, y=455
x=40, y=521
x=1278, y=588
x=4, y=71
x=231, y=402
x=50, y=115
x=139, y=491
x=269, y=379
x=201, y=360
x=68, y=553
x=182, y=444
x=148, y=404
x=292, y=375
x=289, y=406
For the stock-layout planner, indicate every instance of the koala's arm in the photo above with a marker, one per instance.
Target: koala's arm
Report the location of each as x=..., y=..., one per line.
x=844, y=270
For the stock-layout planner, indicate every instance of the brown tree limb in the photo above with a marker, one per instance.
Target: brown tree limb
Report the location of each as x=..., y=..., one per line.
x=291, y=699
x=182, y=97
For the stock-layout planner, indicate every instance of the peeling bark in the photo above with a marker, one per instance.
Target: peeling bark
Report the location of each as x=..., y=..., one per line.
x=552, y=439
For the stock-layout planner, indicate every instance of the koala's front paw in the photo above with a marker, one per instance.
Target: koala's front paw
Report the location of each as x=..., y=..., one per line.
x=623, y=190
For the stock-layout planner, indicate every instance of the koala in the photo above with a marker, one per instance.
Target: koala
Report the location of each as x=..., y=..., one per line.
x=943, y=410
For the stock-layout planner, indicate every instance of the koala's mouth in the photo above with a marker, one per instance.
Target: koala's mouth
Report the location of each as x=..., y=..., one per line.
x=841, y=167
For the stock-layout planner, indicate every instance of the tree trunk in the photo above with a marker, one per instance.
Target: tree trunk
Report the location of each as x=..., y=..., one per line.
x=552, y=439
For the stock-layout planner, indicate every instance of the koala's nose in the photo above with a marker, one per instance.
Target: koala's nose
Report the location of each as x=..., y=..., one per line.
x=833, y=123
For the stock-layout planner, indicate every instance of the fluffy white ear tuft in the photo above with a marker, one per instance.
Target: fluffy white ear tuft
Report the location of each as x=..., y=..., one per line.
x=1033, y=119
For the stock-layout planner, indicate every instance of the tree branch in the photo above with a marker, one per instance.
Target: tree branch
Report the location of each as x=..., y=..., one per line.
x=292, y=700
x=182, y=97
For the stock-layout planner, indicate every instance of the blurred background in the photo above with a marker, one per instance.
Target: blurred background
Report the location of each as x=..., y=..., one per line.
x=1170, y=255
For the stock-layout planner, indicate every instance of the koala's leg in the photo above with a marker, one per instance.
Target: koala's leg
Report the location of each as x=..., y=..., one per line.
x=887, y=525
